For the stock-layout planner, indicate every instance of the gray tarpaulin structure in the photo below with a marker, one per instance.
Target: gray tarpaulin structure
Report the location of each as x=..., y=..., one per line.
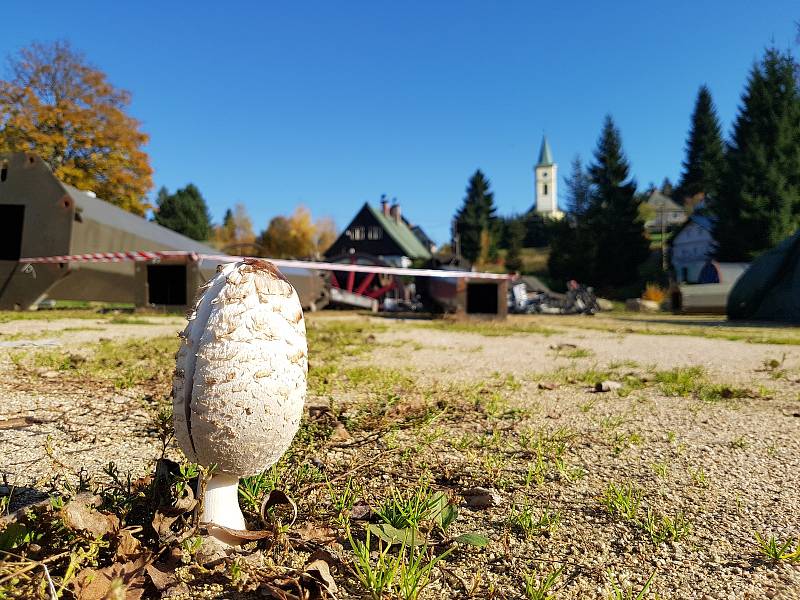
x=770, y=289
x=41, y=216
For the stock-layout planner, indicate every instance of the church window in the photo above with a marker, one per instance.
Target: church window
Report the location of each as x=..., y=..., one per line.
x=545, y=189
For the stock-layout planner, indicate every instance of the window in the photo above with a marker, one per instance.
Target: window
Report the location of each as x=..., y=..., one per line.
x=545, y=189
x=355, y=233
x=374, y=233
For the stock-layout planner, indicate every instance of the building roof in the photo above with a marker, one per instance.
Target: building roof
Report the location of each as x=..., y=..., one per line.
x=661, y=201
x=545, y=155
x=401, y=234
x=106, y=213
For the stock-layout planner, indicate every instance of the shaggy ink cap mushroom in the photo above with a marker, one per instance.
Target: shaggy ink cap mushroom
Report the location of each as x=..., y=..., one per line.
x=240, y=381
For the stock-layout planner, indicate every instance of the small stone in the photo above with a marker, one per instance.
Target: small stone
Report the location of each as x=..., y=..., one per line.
x=607, y=386
x=480, y=497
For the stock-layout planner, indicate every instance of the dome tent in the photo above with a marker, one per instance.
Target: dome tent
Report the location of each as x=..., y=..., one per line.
x=770, y=289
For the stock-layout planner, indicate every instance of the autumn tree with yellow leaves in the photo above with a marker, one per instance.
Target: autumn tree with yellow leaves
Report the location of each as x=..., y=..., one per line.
x=297, y=236
x=236, y=230
x=57, y=106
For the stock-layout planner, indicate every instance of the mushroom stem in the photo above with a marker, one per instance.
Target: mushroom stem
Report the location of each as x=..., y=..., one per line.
x=221, y=506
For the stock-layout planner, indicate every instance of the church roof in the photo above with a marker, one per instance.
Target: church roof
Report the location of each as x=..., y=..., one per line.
x=545, y=155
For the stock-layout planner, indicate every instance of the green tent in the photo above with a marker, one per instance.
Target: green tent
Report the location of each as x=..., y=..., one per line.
x=770, y=289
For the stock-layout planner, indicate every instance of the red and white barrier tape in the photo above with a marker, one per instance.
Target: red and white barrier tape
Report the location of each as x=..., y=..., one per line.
x=139, y=256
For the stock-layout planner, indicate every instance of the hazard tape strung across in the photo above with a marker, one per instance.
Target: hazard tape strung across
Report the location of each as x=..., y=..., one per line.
x=142, y=256
x=137, y=256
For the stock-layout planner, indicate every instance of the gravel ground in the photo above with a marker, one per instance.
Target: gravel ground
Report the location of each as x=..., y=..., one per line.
x=732, y=467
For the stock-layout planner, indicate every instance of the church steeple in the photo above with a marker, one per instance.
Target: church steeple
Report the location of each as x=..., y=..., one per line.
x=545, y=155
x=547, y=183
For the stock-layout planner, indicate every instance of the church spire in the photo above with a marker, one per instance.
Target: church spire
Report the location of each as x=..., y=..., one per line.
x=545, y=155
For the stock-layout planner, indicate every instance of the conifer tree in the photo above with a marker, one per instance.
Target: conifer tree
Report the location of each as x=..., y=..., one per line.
x=612, y=217
x=477, y=215
x=185, y=211
x=759, y=203
x=705, y=158
x=572, y=245
x=516, y=237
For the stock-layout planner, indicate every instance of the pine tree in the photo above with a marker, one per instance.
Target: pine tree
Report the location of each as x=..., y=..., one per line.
x=477, y=215
x=572, y=245
x=516, y=237
x=579, y=188
x=705, y=157
x=759, y=203
x=185, y=211
x=612, y=218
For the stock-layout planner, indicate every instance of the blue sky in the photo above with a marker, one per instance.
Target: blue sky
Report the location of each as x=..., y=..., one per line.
x=331, y=104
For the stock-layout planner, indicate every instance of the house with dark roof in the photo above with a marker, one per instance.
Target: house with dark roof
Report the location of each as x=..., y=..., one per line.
x=667, y=214
x=383, y=233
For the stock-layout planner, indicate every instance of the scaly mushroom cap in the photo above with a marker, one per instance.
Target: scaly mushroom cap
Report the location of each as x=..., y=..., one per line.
x=240, y=380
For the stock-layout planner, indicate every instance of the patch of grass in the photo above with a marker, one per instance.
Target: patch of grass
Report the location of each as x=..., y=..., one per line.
x=578, y=353
x=699, y=476
x=623, y=500
x=124, y=364
x=531, y=523
x=539, y=587
x=778, y=549
x=692, y=382
x=489, y=328
x=739, y=443
x=662, y=528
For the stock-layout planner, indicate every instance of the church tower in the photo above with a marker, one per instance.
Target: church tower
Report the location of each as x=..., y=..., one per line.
x=547, y=183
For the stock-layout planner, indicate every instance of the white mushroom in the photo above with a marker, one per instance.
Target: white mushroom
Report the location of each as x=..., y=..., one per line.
x=240, y=382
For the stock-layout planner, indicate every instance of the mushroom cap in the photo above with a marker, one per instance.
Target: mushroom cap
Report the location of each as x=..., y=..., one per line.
x=240, y=378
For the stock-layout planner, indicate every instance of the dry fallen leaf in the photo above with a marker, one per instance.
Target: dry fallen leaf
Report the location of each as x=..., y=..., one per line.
x=320, y=571
x=309, y=532
x=118, y=581
x=80, y=514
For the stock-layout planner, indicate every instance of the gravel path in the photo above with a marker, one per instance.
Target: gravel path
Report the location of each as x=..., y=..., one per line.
x=731, y=467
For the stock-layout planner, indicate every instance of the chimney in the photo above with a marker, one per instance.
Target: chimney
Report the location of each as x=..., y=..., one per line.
x=385, y=205
x=395, y=211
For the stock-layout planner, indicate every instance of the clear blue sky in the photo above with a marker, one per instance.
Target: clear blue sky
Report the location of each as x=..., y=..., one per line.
x=331, y=104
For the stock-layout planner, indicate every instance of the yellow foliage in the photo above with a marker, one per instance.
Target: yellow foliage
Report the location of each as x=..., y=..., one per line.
x=654, y=292
x=65, y=111
x=236, y=230
x=297, y=236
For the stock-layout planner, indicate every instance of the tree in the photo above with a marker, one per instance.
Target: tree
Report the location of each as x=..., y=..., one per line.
x=324, y=235
x=477, y=219
x=56, y=105
x=579, y=188
x=705, y=157
x=236, y=228
x=516, y=237
x=296, y=236
x=612, y=217
x=572, y=246
x=759, y=203
x=185, y=211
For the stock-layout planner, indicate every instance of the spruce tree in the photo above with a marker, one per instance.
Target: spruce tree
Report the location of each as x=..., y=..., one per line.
x=572, y=245
x=759, y=203
x=612, y=218
x=477, y=215
x=705, y=157
x=185, y=211
x=516, y=237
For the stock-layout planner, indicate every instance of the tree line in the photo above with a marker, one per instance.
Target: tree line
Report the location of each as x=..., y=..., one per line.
x=292, y=236
x=748, y=185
